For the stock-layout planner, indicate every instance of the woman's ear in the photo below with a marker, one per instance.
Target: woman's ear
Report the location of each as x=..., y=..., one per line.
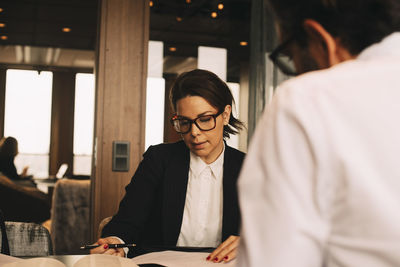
x=321, y=44
x=323, y=47
x=227, y=114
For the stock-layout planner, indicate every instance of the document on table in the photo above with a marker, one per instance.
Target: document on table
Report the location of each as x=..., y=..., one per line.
x=93, y=260
x=178, y=259
x=4, y=259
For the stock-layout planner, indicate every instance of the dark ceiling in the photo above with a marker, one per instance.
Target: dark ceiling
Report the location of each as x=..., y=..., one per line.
x=183, y=24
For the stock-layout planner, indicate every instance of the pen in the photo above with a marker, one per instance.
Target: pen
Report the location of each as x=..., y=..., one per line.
x=109, y=246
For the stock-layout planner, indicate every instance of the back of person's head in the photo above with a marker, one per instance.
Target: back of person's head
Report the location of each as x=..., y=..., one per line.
x=8, y=147
x=209, y=86
x=357, y=23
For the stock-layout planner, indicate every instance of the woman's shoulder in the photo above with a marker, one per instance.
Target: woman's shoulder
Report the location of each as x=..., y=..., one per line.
x=234, y=151
x=166, y=149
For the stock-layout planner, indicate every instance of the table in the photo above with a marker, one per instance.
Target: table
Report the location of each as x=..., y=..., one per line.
x=45, y=186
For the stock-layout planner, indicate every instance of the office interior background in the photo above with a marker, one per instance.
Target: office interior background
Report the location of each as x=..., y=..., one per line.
x=77, y=76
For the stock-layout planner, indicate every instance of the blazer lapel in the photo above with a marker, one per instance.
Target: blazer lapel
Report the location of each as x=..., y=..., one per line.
x=231, y=215
x=175, y=186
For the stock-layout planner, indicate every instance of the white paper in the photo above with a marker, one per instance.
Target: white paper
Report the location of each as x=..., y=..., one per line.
x=7, y=259
x=101, y=260
x=95, y=260
x=179, y=259
x=36, y=262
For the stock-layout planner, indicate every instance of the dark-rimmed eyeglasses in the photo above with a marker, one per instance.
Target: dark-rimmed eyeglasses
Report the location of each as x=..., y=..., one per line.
x=282, y=59
x=205, y=123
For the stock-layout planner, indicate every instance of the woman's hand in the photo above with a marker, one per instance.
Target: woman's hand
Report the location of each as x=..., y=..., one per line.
x=103, y=248
x=24, y=172
x=226, y=251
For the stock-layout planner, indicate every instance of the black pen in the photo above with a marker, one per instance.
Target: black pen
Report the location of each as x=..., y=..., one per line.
x=109, y=246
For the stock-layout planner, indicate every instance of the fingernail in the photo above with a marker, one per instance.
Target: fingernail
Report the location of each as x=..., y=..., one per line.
x=216, y=259
x=209, y=257
x=105, y=246
x=225, y=258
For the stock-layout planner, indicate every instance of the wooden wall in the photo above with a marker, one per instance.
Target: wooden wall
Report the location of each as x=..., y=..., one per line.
x=62, y=121
x=121, y=71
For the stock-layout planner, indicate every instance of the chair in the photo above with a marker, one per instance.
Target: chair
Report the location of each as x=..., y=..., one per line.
x=23, y=204
x=70, y=216
x=28, y=239
x=103, y=223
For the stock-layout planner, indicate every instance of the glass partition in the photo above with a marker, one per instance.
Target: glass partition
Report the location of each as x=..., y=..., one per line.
x=28, y=117
x=83, y=123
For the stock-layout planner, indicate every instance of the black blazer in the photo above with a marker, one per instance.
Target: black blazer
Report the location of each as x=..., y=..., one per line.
x=151, y=212
x=7, y=168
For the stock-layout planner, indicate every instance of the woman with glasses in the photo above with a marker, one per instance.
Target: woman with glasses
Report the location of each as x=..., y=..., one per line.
x=184, y=194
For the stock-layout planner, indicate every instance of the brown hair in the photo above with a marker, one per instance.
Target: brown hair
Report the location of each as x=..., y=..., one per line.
x=357, y=23
x=8, y=146
x=209, y=86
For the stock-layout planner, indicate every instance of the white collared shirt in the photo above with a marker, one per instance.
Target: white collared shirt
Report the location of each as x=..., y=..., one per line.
x=202, y=216
x=320, y=185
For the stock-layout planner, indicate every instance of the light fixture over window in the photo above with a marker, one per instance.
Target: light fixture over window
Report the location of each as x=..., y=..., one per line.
x=66, y=29
x=243, y=43
x=1, y=10
x=220, y=6
x=214, y=14
x=2, y=25
x=179, y=19
x=172, y=49
x=4, y=37
x=188, y=1
x=151, y=3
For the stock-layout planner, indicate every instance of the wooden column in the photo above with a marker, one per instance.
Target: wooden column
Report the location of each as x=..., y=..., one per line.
x=121, y=71
x=62, y=121
x=2, y=99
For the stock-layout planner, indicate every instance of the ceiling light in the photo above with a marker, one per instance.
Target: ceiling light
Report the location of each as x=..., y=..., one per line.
x=4, y=37
x=214, y=14
x=179, y=19
x=151, y=3
x=2, y=25
x=243, y=43
x=220, y=6
x=172, y=49
x=66, y=29
x=188, y=1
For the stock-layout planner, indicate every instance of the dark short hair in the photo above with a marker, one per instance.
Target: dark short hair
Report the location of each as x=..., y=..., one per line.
x=210, y=87
x=8, y=147
x=357, y=23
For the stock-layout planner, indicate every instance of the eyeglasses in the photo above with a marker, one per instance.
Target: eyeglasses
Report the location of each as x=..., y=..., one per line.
x=282, y=58
x=205, y=123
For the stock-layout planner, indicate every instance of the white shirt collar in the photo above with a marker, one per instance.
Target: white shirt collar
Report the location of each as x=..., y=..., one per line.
x=388, y=47
x=197, y=165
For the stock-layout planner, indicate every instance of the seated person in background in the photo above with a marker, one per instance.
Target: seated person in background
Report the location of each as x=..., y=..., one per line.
x=8, y=151
x=184, y=193
x=23, y=203
x=19, y=199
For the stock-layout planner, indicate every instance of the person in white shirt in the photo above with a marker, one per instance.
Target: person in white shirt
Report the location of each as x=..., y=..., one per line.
x=184, y=194
x=320, y=185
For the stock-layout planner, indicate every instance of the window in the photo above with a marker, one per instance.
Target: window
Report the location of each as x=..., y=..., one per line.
x=28, y=118
x=83, y=123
